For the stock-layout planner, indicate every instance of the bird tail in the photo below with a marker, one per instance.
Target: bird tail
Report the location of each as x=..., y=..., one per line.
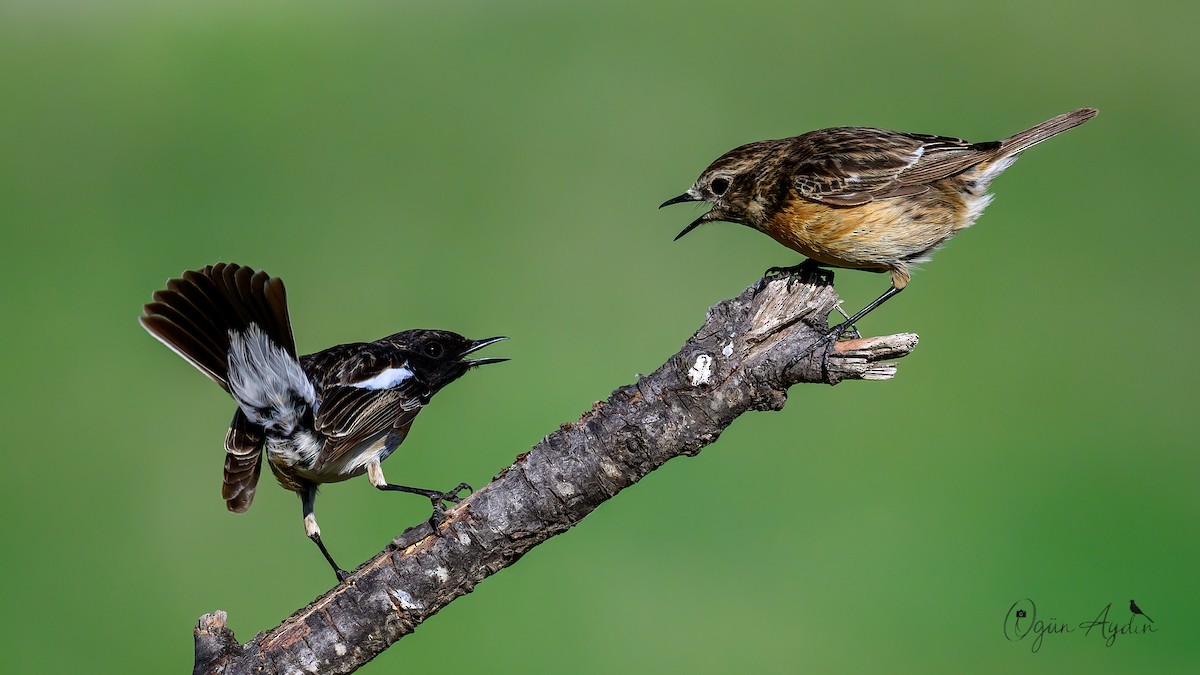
x=231, y=323
x=199, y=314
x=1051, y=127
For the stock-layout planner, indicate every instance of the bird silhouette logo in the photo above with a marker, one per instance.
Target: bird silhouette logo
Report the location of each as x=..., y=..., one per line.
x=1138, y=610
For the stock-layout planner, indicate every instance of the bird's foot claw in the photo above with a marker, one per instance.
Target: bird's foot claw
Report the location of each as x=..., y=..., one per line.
x=841, y=331
x=846, y=327
x=845, y=331
x=439, y=500
x=817, y=344
x=807, y=272
x=452, y=495
x=809, y=269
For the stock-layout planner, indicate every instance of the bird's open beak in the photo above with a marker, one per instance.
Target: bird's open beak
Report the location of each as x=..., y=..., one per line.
x=688, y=196
x=696, y=223
x=480, y=344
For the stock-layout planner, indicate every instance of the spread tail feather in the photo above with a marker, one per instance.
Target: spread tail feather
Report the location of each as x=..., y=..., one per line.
x=195, y=314
x=1051, y=127
x=231, y=323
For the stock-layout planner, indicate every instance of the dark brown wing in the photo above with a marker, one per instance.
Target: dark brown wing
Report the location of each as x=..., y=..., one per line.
x=848, y=166
x=243, y=462
x=366, y=390
x=349, y=416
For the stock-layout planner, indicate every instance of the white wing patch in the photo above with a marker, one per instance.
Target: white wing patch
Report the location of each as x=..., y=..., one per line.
x=387, y=379
x=266, y=381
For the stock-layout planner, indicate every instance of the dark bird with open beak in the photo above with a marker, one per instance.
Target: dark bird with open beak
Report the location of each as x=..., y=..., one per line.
x=320, y=418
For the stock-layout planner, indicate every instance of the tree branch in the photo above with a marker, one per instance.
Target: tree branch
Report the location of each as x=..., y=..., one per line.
x=745, y=356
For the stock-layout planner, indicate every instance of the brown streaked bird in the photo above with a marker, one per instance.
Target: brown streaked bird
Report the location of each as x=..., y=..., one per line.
x=861, y=198
x=320, y=418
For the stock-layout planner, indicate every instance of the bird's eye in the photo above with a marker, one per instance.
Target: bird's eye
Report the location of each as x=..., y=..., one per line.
x=434, y=350
x=719, y=185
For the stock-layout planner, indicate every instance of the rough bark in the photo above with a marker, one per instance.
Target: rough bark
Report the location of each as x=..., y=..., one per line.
x=745, y=356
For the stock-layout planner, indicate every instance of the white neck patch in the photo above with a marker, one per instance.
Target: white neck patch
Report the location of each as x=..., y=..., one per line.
x=387, y=379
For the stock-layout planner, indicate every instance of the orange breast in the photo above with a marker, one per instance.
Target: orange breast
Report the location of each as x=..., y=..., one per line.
x=879, y=235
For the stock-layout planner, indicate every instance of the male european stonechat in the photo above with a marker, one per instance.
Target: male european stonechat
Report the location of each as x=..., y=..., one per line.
x=320, y=418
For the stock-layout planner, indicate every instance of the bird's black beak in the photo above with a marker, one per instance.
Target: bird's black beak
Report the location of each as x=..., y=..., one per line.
x=685, y=197
x=480, y=344
x=695, y=223
x=690, y=196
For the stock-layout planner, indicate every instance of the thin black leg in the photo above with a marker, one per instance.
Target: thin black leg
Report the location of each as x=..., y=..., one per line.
x=342, y=574
x=887, y=295
x=434, y=496
x=849, y=323
x=310, y=528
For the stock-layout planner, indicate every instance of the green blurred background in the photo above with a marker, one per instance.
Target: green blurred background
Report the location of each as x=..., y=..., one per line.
x=494, y=168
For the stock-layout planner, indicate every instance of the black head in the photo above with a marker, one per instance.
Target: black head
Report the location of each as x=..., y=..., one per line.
x=438, y=357
x=727, y=184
